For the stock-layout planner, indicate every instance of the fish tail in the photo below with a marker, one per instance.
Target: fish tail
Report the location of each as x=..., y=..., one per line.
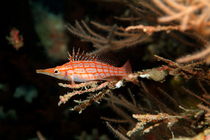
x=127, y=67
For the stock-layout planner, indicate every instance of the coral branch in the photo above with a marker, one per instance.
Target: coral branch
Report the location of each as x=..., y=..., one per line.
x=66, y=97
x=94, y=98
x=81, y=85
x=204, y=54
x=190, y=15
x=111, y=41
x=151, y=29
x=148, y=118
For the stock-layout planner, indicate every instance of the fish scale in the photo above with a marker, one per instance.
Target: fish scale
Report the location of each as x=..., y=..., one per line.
x=91, y=70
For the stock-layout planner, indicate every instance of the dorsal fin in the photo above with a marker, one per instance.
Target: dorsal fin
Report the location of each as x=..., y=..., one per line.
x=81, y=56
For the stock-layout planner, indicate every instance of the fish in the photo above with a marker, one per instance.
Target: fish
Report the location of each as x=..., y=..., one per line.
x=83, y=68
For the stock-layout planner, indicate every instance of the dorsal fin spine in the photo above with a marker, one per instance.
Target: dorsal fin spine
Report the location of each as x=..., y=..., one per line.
x=81, y=55
x=73, y=54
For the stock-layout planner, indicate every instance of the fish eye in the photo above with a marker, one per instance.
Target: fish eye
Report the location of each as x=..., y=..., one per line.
x=56, y=71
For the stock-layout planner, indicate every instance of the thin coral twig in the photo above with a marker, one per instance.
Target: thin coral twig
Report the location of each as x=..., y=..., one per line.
x=116, y=132
x=197, y=56
x=94, y=98
x=151, y=29
x=198, y=97
x=81, y=85
x=66, y=97
x=114, y=120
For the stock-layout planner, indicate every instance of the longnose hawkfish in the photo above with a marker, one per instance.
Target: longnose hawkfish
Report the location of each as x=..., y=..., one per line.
x=86, y=69
x=83, y=68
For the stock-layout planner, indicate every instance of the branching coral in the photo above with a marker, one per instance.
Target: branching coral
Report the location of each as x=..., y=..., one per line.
x=147, y=122
x=172, y=68
x=205, y=135
x=152, y=29
x=189, y=14
x=92, y=86
x=192, y=16
x=156, y=119
x=172, y=17
x=115, y=39
x=203, y=54
x=184, y=16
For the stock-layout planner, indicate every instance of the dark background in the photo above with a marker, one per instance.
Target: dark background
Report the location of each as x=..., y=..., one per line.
x=28, y=101
x=20, y=119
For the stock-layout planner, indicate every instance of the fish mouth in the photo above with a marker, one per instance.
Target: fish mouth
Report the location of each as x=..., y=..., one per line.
x=40, y=71
x=43, y=71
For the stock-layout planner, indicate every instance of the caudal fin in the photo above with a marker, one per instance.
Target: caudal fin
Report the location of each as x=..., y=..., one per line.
x=127, y=67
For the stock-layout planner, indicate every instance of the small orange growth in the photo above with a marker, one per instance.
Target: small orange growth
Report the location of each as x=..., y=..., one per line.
x=15, y=39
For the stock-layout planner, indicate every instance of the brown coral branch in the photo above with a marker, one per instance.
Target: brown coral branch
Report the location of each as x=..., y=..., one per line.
x=81, y=85
x=144, y=119
x=205, y=53
x=89, y=101
x=198, y=97
x=114, y=120
x=66, y=97
x=187, y=70
x=151, y=29
x=122, y=113
x=191, y=15
x=161, y=105
x=123, y=102
x=116, y=132
x=174, y=4
x=163, y=7
x=111, y=41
